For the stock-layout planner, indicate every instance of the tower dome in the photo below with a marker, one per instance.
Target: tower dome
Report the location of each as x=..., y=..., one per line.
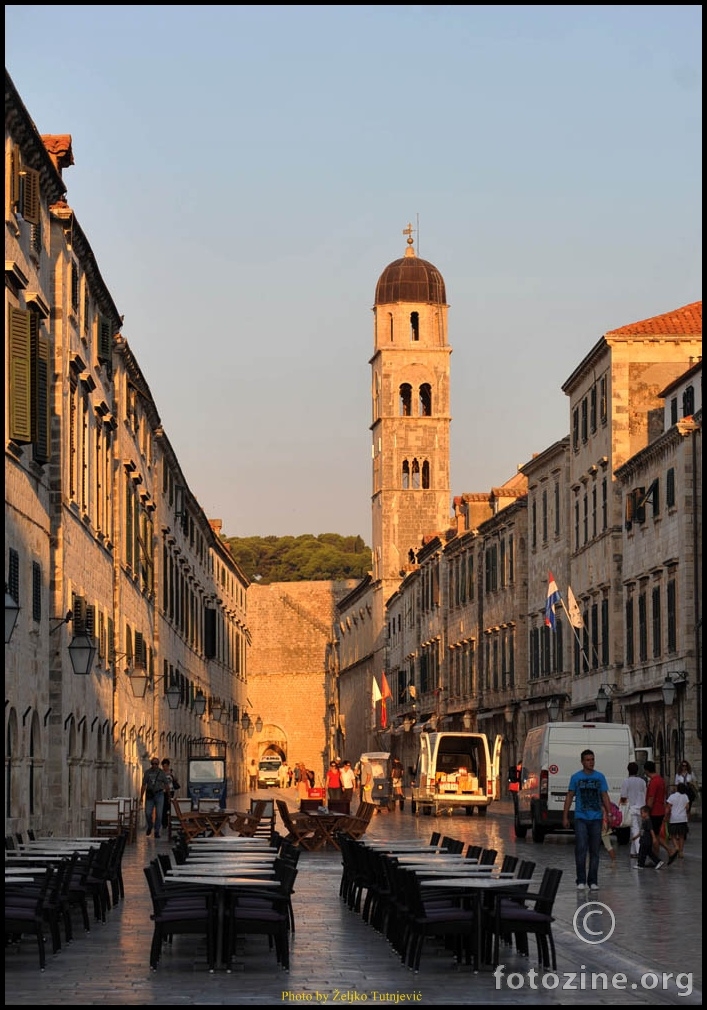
x=410, y=279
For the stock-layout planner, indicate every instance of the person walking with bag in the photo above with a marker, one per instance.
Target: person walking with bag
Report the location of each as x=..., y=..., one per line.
x=155, y=785
x=633, y=797
x=173, y=785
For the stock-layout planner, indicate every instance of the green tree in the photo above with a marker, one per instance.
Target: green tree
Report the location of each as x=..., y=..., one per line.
x=301, y=559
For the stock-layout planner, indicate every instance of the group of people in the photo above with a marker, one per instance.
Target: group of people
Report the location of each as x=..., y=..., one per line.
x=159, y=784
x=340, y=781
x=657, y=820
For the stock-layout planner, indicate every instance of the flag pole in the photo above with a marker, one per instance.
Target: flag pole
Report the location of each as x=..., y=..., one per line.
x=576, y=631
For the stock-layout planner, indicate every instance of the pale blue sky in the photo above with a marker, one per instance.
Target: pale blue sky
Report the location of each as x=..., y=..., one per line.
x=244, y=175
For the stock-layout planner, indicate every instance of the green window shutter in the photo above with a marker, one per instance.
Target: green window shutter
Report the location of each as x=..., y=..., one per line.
x=40, y=393
x=104, y=339
x=20, y=376
x=29, y=206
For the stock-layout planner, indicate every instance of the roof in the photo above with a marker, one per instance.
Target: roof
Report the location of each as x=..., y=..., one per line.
x=410, y=279
x=685, y=321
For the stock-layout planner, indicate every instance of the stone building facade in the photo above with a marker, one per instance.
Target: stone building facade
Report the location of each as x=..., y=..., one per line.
x=107, y=550
x=460, y=637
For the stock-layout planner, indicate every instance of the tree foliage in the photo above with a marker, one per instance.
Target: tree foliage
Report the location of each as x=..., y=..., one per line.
x=301, y=559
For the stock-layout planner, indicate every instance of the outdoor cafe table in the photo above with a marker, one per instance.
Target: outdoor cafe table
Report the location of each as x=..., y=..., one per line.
x=220, y=885
x=476, y=887
x=324, y=826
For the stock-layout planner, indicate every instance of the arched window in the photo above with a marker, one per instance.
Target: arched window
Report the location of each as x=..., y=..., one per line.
x=425, y=400
x=406, y=475
x=426, y=475
x=415, y=475
x=414, y=326
x=405, y=400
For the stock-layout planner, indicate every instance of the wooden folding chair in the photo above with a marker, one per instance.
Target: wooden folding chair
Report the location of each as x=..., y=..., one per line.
x=191, y=822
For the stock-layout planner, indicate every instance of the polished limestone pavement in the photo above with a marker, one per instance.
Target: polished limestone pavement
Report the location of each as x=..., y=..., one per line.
x=336, y=958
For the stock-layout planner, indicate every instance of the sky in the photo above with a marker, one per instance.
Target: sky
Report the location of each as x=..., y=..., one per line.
x=243, y=175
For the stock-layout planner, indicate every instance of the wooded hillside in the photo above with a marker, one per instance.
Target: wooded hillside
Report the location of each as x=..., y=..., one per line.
x=301, y=559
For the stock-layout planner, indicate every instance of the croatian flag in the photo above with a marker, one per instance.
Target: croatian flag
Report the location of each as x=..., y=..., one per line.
x=553, y=598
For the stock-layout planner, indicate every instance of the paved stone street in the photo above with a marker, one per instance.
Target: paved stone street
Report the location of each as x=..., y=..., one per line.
x=335, y=957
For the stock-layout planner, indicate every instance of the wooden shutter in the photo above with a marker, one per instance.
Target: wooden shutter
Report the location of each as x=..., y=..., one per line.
x=40, y=393
x=20, y=376
x=104, y=339
x=30, y=195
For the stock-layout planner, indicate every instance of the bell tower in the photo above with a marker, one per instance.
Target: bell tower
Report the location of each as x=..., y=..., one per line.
x=410, y=413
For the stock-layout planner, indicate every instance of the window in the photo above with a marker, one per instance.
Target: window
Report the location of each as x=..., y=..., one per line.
x=426, y=475
x=425, y=400
x=557, y=508
x=670, y=488
x=605, y=632
x=576, y=525
x=672, y=621
x=656, y=622
x=575, y=429
x=544, y=516
x=585, y=517
x=584, y=423
x=414, y=326
x=594, y=511
x=36, y=591
x=593, y=409
x=629, y=633
x=674, y=410
x=415, y=475
x=405, y=399
x=642, y=629
x=13, y=574
x=595, y=636
x=603, y=405
x=534, y=525
x=688, y=401
x=604, y=504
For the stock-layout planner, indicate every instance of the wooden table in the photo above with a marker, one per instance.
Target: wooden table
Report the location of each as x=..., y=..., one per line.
x=324, y=827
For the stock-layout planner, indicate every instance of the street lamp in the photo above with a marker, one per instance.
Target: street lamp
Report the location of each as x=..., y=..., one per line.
x=603, y=701
x=199, y=702
x=553, y=708
x=216, y=710
x=82, y=651
x=467, y=721
x=258, y=725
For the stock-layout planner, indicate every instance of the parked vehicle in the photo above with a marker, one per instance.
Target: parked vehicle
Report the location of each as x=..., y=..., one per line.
x=206, y=771
x=455, y=771
x=551, y=756
x=269, y=772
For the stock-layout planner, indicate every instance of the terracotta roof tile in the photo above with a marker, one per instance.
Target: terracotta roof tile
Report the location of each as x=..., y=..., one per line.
x=686, y=321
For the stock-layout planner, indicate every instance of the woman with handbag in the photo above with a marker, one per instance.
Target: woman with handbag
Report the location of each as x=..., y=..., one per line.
x=633, y=797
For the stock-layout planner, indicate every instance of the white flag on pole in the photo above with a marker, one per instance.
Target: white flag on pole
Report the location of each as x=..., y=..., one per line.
x=575, y=616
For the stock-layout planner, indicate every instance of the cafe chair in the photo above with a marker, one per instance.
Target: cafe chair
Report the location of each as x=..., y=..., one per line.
x=299, y=830
x=507, y=917
x=435, y=837
x=259, y=913
x=423, y=920
x=487, y=857
x=474, y=852
x=453, y=845
x=24, y=912
x=179, y=913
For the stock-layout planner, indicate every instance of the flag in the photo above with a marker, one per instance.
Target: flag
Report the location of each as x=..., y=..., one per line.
x=385, y=693
x=375, y=697
x=573, y=612
x=553, y=598
x=412, y=691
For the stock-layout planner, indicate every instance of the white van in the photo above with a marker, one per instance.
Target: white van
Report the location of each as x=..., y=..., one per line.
x=455, y=771
x=269, y=772
x=551, y=755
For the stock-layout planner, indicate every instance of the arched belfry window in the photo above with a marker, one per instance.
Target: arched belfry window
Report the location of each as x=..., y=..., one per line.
x=426, y=475
x=425, y=400
x=415, y=475
x=406, y=475
x=414, y=326
x=406, y=400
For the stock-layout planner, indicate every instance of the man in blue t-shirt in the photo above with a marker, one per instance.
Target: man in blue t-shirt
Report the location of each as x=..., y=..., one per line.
x=590, y=792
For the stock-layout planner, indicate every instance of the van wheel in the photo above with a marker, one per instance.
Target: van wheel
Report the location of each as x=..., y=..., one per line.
x=482, y=811
x=538, y=832
x=469, y=811
x=427, y=811
x=413, y=806
x=519, y=830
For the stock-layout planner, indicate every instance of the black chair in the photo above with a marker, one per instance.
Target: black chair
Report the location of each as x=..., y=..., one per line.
x=24, y=912
x=508, y=865
x=453, y=845
x=474, y=852
x=424, y=919
x=252, y=912
x=487, y=857
x=179, y=913
x=435, y=837
x=508, y=917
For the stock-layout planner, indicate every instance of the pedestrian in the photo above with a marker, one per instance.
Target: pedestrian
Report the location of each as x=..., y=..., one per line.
x=633, y=796
x=302, y=780
x=333, y=782
x=172, y=787
x=678, y=810
x=348, y=781
x=154, y=788
x=656, y=792
x=589, y=790
x=252, y=775
x=685, y=775
x=283, y=774
x=396, y=779
x=649, y=847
